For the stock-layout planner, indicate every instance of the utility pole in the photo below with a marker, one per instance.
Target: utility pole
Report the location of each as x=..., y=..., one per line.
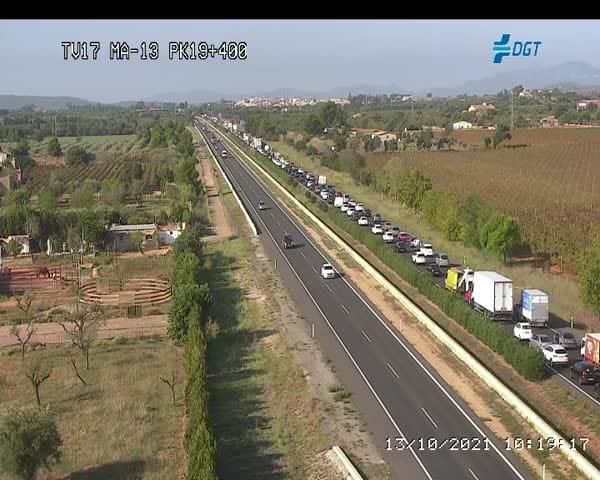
x=512, y=110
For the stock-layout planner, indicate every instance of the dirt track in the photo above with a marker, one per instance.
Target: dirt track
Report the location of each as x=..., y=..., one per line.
x=53, y=333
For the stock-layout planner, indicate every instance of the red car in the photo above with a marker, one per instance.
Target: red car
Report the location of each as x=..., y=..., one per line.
x=403, y=237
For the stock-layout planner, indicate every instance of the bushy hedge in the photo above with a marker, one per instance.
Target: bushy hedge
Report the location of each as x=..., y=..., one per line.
x=187, y=322
x=527, y=361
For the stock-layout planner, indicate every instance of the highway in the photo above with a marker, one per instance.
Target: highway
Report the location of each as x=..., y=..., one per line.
x=396, y=391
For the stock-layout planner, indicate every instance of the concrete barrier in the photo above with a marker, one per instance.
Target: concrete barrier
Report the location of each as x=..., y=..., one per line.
x=237, y=199
x=339, y=458
x=537, y=422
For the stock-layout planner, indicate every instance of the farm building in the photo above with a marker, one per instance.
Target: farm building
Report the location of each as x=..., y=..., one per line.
x=549, y=122
x=584, y=104
x=23, y=240
x=461, y=125
x=125, y=237
x=6, y=159
x=483, y=108
x=169, y=233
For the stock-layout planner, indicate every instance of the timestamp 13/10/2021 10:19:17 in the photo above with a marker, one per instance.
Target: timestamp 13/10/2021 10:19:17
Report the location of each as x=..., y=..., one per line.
x=483, y=443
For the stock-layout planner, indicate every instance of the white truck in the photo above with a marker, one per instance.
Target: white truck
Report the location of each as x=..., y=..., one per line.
x=322, y=180
x=491, y=294
x=533, y=307
x=590, y=348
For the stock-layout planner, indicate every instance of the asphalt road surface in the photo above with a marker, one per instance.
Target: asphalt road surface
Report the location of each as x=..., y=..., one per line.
x=397, y=392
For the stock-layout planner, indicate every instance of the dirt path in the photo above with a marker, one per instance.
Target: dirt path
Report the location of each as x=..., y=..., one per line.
x=115, y=327
x=216, y=211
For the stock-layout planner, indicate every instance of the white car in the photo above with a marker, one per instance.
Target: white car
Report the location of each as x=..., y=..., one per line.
x=556, y=354
x=415, y=243
x=419, y=258
x=344, y=207
x=324, y=194
x=327, y=271
x=427, y=249
x=339, y=201
x=389, y=236
x=309, y=183
x=352, y=202
x=523, y=331
x=377, y=229
x=359, y=207
x=350, y=211
x=363, y=221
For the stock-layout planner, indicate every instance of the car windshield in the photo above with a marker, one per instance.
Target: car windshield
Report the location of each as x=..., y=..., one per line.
x=560, y=351
x=544, y=339
x=569, y=336
x=526, y=326
x=327, y=267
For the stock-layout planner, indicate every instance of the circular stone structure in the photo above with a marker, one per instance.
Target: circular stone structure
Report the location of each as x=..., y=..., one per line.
x=142, y=292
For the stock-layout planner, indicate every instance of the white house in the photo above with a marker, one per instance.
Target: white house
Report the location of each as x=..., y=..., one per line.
x=461, y=125
x=170, y=232
x=23, y=240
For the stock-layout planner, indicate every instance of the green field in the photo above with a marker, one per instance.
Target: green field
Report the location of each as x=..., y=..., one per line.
x=123, y=424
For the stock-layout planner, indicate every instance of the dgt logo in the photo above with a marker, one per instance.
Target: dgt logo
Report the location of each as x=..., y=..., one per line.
x=503, y=49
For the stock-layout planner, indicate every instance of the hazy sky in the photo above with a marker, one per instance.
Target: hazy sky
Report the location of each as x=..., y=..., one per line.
x=311, y=55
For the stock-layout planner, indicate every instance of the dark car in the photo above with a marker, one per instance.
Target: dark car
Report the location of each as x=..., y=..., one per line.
x=376, y=218
x=367, y=213
x=288, y=242
x=567, y=340
x=330, y=199
x=401, y=247
x=584, y=373
x=434, y=270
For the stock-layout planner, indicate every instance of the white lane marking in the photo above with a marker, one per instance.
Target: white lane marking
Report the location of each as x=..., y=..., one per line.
x=474, y=476
x=328, y=288
x=315, y=270
x=393, y=371
x=382, y=322
x=429, y=417
x=272, y=215
x=365, y=335
x=277, y=223
x=345, y=309
x=361, y=373
x=303, y=256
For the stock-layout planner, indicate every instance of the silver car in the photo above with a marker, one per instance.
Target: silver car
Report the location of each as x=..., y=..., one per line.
x=540, y=341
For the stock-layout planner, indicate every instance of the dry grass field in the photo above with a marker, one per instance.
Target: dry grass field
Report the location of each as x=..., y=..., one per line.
x=552, y=187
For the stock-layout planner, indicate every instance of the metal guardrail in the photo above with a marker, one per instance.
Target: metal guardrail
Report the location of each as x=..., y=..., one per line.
x=339, y=458
x=527, y=413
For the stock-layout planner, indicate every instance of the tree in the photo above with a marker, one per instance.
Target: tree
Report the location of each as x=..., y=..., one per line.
x=83, y=197
x=502, y=134
x=82, y=328
x=137, y=192
x=189, y=242
x=487, y=141
x=171, y=383
x=76, y=155
x=47, y=199
x=313, y=125
x=14, y=248
x=21, y=149
x=588, y=277
x=19, y=197
x=37, y=373
x=500, y=235
x=23, y=333
x=29, y=440
x=113, y=191
x=54, y=149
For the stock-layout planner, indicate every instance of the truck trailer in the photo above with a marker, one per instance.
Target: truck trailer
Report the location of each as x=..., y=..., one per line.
x=491, y=294
x=590, y=348
x=533, y=307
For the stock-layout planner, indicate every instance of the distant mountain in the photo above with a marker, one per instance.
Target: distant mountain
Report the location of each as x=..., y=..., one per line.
x=573, y=74
x=14, y=102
